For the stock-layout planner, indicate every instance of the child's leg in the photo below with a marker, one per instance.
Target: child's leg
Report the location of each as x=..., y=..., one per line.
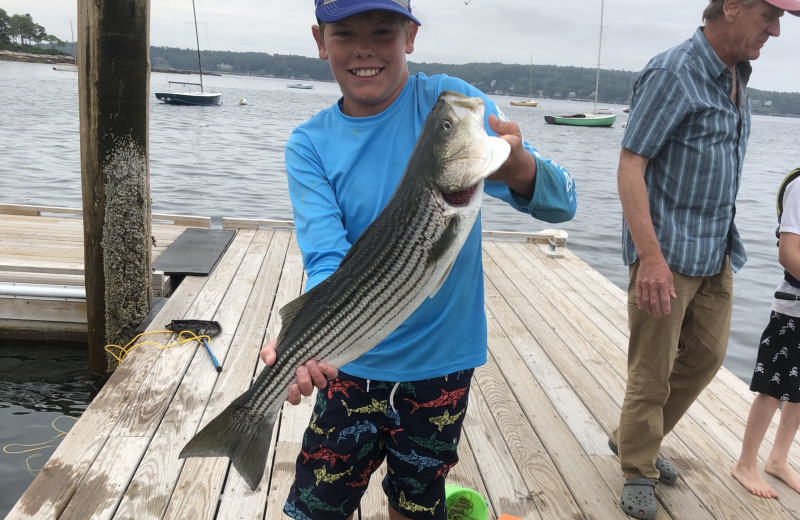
x=745, y=470
x=777, y=463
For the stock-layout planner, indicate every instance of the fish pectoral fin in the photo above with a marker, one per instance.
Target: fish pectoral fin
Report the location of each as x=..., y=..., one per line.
x=445, y=242
x=440, y=249
x=441, y=282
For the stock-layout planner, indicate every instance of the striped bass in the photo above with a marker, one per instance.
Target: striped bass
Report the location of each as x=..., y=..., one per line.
x=401, y=259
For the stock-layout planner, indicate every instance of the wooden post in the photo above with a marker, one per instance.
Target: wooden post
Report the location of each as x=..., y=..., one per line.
x=113, y=87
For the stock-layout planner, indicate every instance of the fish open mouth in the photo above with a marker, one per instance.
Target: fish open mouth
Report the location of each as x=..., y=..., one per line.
x=460, y=198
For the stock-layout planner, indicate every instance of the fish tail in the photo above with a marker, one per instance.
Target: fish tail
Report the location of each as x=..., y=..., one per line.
x=246, y=445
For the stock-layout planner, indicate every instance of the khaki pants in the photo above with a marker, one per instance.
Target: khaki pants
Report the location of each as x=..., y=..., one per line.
x=671, y=359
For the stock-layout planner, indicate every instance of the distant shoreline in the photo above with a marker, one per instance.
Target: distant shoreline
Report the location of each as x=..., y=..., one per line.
x=35, y=58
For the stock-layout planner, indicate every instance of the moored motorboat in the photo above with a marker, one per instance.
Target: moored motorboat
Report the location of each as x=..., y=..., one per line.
x=582, y=120
x=525, y=103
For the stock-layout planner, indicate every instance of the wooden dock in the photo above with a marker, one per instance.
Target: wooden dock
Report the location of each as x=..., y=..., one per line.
x=42, y=292
x=534, y=439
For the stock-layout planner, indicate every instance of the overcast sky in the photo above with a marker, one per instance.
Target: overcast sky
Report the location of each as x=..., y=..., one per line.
x=551, y=32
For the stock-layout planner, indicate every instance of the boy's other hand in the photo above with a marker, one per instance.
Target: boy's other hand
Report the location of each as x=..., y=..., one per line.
x=519, y=170
x=309, y=375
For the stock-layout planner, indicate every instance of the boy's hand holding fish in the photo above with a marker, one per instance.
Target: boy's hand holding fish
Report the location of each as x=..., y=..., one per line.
x=309, y=375
x=519, y=170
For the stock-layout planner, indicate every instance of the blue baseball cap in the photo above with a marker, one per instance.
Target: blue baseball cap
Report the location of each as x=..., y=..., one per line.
x=334, y=10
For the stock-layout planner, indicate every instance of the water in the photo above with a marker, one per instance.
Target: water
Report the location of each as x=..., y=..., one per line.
x=227, y=161
x=43, y=390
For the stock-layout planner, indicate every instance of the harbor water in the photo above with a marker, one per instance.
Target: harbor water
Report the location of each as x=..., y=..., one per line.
x=227, y=161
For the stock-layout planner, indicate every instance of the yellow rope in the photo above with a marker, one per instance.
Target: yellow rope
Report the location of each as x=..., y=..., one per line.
x=119, y=353
x=30, y=448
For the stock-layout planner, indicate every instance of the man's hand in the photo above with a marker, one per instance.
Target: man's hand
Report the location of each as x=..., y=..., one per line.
x=309, y=375
x=654, y=287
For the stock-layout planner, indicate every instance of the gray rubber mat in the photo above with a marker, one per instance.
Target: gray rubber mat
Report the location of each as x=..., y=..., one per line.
x=195, y=252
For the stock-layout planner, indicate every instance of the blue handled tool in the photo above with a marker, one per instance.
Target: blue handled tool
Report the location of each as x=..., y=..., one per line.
x=199, y=328
x=213, y=357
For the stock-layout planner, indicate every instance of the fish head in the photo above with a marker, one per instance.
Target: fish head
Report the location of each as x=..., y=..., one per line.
x=463, y=154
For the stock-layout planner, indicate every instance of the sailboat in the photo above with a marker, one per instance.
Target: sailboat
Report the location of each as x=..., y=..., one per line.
x=530, y=101
x=191, y=98
x=69, y=67
x=601, y=117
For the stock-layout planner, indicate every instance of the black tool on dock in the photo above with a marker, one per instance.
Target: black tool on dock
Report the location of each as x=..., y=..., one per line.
x=199, y=328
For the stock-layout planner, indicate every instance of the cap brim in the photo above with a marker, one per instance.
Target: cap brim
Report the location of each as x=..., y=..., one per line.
x=788, y=5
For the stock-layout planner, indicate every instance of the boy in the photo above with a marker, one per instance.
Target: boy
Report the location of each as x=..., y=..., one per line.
x=404, y=400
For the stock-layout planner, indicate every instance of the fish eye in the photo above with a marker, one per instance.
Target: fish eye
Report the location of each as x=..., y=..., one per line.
x=447, y=125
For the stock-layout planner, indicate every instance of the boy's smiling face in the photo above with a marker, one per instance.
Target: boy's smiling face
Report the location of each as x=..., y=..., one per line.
x=367, y=53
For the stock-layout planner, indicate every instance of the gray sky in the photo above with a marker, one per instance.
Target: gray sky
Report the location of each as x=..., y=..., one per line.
x=555, y=32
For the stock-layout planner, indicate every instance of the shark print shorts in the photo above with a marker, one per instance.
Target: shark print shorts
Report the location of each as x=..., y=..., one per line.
x=358, y=423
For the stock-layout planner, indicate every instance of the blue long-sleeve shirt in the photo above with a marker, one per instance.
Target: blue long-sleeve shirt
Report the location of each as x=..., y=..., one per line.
x=342, y=172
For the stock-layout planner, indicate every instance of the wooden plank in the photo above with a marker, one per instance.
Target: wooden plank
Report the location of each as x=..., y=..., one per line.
x=559, y=336
x=20, y=209
x=181, y=220
x=589, y=488
x=506, y=490
x=715, y=402
x=287, y=278
x=26, y=210
x=557, y=237
x=105, y=412
x=610, y=376
x=93, y=498
x=679, y=503
x=542, y=487
x=162, y=410
x=42, y=330
x=54, y=486
x=234, y=379
x=282, y=478
x=33, y=310
x=247, y=223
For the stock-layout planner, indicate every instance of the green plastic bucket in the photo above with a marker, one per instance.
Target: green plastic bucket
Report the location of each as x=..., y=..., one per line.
x=465, y=504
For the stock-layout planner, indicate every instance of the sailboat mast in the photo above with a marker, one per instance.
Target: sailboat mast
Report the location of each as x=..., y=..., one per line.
x=530, y=83
x=197, y=37
x=599, y=47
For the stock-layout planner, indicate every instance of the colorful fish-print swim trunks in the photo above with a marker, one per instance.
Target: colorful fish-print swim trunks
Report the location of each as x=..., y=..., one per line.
x=356, y=424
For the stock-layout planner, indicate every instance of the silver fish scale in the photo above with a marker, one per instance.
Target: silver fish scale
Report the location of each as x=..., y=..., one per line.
x=378, y=291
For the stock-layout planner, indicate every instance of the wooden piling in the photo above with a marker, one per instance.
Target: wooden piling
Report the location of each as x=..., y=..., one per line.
x=113, y=86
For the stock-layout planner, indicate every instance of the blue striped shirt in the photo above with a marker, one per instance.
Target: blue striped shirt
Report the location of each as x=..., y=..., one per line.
x=683, y=120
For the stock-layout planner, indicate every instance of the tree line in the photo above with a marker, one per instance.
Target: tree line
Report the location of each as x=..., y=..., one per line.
x=550, y=81
x=20, y=32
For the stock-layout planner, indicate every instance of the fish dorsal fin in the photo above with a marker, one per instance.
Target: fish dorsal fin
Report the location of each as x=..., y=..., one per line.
x=290, y=311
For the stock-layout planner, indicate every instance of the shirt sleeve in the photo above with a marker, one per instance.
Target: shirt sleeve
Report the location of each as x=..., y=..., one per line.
x=790, y=219
x=318, y=219
x=659, y=104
